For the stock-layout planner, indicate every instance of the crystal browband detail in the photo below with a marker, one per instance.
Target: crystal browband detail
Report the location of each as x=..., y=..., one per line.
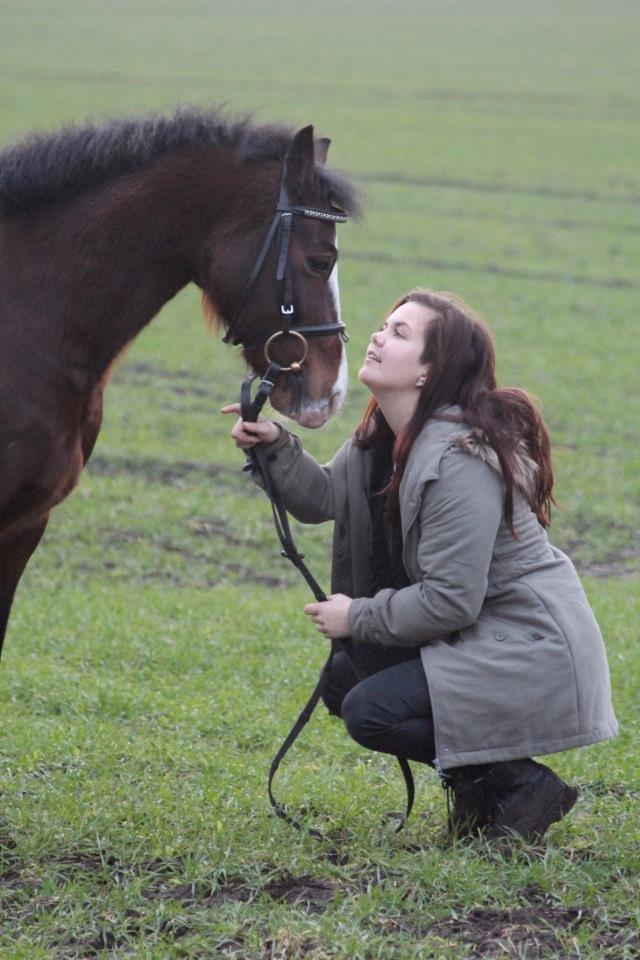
x=325, y=215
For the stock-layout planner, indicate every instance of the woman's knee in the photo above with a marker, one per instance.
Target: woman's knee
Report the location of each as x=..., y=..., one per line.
x=360, y=716
x=333, y=698
x=340, y=681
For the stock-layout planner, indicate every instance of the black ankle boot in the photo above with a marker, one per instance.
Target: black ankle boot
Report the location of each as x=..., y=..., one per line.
x=529, y=798
x=473, y=798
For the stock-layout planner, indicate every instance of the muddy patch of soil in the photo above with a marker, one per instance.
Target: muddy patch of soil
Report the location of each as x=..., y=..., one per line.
x=173, y=579
x=199, y=893
x=200, y=564
x=179, y=382
x=605, y=570
x=286, y=948
x=165, y=472
x=530, y=931
x=248, y=575
x=122, y=535
x=310, y=893
x=536, y=927
x=533, y=930
x=218, y=529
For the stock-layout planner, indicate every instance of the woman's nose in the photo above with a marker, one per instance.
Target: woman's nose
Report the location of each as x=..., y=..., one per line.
x=376, y=338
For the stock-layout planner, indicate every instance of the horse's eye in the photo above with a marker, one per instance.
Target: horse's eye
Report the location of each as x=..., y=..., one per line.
x=319, y=265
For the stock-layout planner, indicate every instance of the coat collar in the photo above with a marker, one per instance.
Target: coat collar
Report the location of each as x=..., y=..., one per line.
x=424, y=460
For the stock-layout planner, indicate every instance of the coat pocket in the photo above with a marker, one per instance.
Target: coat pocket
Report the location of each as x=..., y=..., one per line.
x=491, y=629
x=521, y=671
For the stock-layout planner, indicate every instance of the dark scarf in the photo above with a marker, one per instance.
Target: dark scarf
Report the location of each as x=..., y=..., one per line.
x=386, y=544
x=385, y=562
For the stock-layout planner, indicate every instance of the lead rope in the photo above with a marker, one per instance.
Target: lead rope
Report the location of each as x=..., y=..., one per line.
x=250, y=410
x=446, y=785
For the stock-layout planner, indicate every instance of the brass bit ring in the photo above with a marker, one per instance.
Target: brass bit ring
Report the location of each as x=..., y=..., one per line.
x=296, y=366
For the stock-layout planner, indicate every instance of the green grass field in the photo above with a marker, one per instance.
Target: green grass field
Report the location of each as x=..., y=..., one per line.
x=157, y=652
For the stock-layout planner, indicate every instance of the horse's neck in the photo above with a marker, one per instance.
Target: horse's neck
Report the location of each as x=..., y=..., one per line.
x=115, y=257
x=145, y=256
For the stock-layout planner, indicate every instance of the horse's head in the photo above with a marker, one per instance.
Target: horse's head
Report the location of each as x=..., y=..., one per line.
x=299, y=273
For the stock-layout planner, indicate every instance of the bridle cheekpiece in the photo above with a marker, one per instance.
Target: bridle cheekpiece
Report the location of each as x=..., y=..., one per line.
x=282, y=226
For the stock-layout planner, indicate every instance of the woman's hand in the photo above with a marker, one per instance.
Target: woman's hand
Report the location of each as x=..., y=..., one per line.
x=246, y=434
x=330, y=617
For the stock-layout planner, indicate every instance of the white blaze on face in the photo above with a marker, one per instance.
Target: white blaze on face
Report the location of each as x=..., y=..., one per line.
x=340, y=386
x=335, y=292
x=316, y=414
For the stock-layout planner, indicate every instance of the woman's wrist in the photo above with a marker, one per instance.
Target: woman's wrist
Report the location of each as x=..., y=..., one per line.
x=275, y=433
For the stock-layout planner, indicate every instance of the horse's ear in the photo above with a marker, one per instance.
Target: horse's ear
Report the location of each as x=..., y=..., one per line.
x=321, y=150
x=301, y=162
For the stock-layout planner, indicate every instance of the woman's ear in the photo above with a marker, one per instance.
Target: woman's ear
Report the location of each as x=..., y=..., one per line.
x=421, y=379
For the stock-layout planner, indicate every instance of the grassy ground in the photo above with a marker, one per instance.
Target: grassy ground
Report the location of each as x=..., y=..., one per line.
x=155, y=659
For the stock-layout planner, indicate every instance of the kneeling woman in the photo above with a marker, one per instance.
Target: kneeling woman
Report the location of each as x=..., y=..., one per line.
x=472, y=646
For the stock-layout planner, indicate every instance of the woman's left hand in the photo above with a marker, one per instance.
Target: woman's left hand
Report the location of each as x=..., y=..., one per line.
x=330, y=617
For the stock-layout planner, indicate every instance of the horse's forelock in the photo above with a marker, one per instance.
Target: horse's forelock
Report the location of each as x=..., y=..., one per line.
x=339, y=191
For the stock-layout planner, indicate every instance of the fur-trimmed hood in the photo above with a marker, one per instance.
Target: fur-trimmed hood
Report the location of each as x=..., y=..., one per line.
x=526, y=470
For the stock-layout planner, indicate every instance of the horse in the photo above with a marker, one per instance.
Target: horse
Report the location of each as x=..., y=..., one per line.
x=101, y=225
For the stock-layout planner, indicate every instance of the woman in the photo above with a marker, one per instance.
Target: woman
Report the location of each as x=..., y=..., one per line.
x=472, y=646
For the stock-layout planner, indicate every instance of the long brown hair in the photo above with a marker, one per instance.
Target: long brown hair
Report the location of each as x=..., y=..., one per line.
x=459, y=349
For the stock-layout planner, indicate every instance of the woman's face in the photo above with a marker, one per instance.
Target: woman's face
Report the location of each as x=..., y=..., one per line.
x=393, y=360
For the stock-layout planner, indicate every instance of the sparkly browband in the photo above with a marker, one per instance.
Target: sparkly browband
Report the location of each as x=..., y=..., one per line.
x=338, y=217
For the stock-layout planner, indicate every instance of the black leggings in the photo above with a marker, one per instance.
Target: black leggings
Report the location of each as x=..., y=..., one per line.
x=389, y=711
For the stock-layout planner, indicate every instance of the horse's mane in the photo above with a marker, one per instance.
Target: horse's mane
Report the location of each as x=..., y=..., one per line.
x=54, y=167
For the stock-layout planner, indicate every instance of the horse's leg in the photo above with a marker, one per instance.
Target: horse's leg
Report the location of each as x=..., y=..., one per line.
x=16, y=547
x=14, y=555
x=91, y=426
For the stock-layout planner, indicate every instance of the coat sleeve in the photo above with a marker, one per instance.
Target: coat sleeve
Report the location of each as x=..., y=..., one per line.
x=459, y=518
x=306, y=487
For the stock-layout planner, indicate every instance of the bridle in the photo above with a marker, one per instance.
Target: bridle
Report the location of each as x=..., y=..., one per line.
x=281, y=226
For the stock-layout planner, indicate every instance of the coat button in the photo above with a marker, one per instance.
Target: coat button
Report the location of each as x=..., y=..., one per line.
x=500, y=636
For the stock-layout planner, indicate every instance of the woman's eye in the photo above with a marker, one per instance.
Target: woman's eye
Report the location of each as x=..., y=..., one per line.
x=319, y=264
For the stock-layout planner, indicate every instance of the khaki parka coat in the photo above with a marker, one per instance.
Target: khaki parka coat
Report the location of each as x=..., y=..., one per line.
x=513, y=656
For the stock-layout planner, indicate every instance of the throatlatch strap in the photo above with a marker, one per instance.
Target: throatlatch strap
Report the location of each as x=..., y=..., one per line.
x=250, y=411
